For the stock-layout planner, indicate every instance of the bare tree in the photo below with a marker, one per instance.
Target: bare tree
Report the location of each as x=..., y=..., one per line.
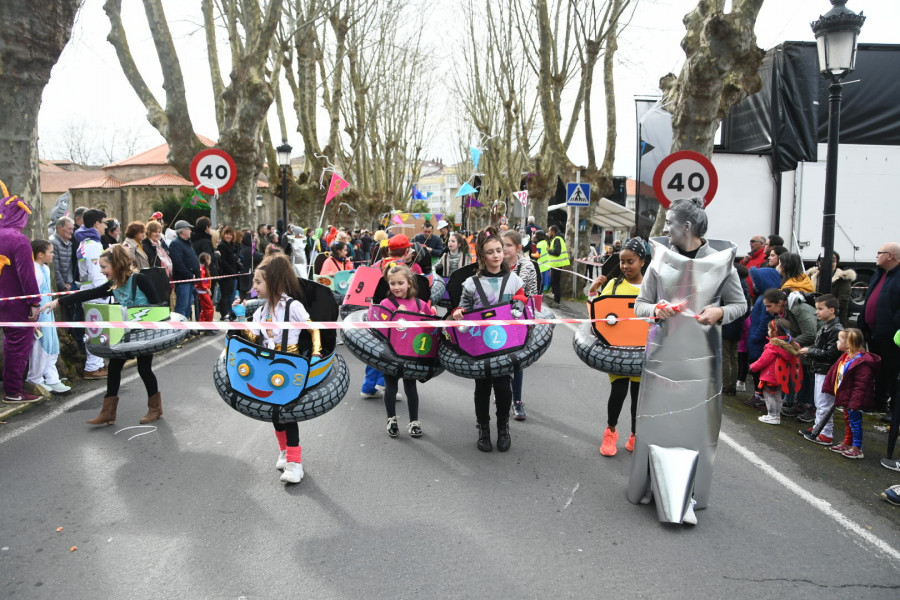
x=721, y=69
x=240, y=107
x=41, y=29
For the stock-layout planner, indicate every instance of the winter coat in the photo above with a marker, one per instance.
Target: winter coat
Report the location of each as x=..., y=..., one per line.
x=139, y=257
x=858, y=384
x=250, y=260
x=802, y=318
x=841, y=283
x=185, y=264
x=800, y=283
x=229, y=258
x=754, y=260
x=823, y=353
x=733, y=331
x=887, y=315
x=779, y=365
x=764, y=278
x=202, y=242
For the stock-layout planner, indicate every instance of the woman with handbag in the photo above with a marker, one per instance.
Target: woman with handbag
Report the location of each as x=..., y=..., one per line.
x=229, y=264
x=158, y=258
x=135, y=233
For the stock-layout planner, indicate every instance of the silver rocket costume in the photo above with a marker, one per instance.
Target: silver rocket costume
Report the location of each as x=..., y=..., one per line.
x=679, y=409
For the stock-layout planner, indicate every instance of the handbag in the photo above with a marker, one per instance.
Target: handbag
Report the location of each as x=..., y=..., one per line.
x=159, y=279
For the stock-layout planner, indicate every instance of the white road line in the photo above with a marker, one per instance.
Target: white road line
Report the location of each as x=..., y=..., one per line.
x=810, y=499
x=91, y=394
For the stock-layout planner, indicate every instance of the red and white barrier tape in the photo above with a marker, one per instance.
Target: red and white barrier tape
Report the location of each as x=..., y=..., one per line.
x=246, y=325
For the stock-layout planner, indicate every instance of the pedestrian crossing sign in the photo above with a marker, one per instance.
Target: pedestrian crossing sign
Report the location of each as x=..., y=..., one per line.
x=578, y=194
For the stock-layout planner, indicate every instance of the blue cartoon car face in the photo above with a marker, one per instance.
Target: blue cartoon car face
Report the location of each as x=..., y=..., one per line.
x=269, y=375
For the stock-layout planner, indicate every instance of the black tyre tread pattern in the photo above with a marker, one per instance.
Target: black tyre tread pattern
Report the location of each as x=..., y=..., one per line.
x=143, y=342
x=438, y=287
x=609, y=359
x=374, y=350
x=536, y=345
x=314, y=403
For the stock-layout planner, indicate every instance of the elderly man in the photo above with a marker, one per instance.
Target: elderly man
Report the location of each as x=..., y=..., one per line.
x=185, y=265
x=757, y=257
x=880, y=320
x=691, y=288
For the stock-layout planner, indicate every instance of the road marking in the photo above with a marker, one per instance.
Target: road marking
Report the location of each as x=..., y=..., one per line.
x=91, y=394
x=572, y=497
x=810, y=499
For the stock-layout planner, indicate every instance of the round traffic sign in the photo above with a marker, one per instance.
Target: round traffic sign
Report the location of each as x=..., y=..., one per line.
x=213, y=171
x=685, y=174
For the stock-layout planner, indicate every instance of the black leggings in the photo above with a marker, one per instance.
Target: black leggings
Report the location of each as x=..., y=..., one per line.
x=390, y=396
x=618, y=391
x=145, y=370
x=743, y=366
x=502, y=387
x=291, y=430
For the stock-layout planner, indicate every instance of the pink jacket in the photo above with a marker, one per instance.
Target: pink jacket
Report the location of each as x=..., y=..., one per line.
x=779, y=365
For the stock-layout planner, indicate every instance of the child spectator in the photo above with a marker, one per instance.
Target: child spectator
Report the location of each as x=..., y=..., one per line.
x=779, y=369
x=45, y=351
x=820, y=356
x=207, y=310
x=852, y=381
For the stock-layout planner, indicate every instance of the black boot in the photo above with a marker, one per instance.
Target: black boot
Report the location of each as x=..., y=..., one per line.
x=484, y=437
x=503, y=440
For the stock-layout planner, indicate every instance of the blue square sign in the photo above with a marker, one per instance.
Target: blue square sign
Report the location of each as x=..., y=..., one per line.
x=578, y=194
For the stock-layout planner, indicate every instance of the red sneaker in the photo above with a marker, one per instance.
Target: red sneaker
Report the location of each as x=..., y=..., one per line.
x=608, y=447
x=841, y=448
x=853, y=452
x=21, y=398
x=629, y=445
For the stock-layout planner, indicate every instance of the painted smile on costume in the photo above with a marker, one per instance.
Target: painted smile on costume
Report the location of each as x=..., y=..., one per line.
x=267, y=375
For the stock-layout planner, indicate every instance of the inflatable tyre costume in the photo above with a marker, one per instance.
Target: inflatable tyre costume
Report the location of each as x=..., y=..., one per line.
x=611, y=346
x=373, y=347
x=133, y=342
x=308, y=388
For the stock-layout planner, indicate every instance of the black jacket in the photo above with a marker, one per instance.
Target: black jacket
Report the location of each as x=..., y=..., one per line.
x=185, y=264
x=229, y=258
x=202, y=242
x=824, y=353
x=887, y=313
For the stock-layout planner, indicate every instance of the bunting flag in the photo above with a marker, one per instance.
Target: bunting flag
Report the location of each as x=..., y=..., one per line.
x=476, y=156
x=197, y=201
x=397, y=220
x=472, y=202
x=522, y=197
x=466, y=190
x=417, y=195
x=336, y=186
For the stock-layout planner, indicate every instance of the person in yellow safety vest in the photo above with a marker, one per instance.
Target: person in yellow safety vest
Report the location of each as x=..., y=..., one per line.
x=541, y=255
x=558, y=259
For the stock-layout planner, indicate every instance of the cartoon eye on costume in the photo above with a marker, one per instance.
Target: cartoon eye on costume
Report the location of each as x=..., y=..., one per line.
x=277, y=379
x=245, y=370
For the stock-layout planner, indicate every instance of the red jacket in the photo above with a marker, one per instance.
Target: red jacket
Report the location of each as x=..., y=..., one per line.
x=203, y=286
x=855, y=391
x=779, y=365
x=755, y=260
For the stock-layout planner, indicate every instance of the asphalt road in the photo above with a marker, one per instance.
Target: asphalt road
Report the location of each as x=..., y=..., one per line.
x=195, y=509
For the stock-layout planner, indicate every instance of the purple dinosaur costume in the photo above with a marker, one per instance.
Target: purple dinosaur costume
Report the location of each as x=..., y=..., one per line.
x=16, y=279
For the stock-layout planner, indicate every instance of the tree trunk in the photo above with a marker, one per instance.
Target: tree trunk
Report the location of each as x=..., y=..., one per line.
x=721, y=69
x=35, y=34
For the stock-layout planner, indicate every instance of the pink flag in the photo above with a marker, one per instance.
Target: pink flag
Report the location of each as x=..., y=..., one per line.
x=336, y=186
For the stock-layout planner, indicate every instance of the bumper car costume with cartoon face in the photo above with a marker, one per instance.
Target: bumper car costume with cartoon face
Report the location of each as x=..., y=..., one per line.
x=282, y=386
x=612, y=345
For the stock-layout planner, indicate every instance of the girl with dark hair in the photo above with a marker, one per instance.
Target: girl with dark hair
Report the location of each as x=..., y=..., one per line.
x=129, y=288
x=337, y=261
x=456, y=256
x=493, y=284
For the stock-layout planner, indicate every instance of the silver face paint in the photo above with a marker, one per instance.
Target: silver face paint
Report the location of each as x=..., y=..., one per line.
x=676, y=231
x=680, y=403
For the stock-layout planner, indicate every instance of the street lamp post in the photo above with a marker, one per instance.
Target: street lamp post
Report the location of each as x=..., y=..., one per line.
x=284, y=159
x=836, y=34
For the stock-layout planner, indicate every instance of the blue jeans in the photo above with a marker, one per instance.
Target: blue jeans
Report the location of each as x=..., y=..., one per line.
x=373, y=378
x=184, y=298
x=517, y=380
x=545, y=280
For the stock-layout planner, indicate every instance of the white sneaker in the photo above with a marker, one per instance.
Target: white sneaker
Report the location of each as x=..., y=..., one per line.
x=740, y=386
x=770, y=420
x=376, y=394
x=59, y=387
x=293, y=473
x=281, y=463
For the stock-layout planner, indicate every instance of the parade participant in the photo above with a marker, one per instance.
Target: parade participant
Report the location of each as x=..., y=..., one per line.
x=492, y=284
x=276, y=283
x=690, y=287
x=779, y=370
x=337, y=261
x=129, y=288
x=631, y=263
x=402, y=296
x=558, y=259
x=207, y=310
x=852, y=381
x=456, y=256
x=45, y=351
x=524, y=268
x=90, y=273
x=16, y=279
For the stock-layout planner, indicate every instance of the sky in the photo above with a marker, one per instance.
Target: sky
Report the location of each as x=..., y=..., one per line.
x=87, y=89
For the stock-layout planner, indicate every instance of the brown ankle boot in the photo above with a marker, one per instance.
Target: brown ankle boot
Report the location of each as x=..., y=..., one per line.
x=154, y=409
x=107, y=414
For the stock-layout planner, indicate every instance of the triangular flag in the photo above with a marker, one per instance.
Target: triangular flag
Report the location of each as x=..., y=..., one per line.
x=522, y=197
x=645, y=147
x=472, y=202
x=398, y=220
x=197, y=201
x=476, y=156
x=466, y=190
x=336, y=186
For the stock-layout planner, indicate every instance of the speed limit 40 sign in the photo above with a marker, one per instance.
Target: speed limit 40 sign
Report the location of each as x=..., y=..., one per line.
x=685, y=174
x=213, y=171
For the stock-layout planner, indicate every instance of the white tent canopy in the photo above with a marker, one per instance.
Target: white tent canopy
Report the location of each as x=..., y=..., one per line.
x=607, y=214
